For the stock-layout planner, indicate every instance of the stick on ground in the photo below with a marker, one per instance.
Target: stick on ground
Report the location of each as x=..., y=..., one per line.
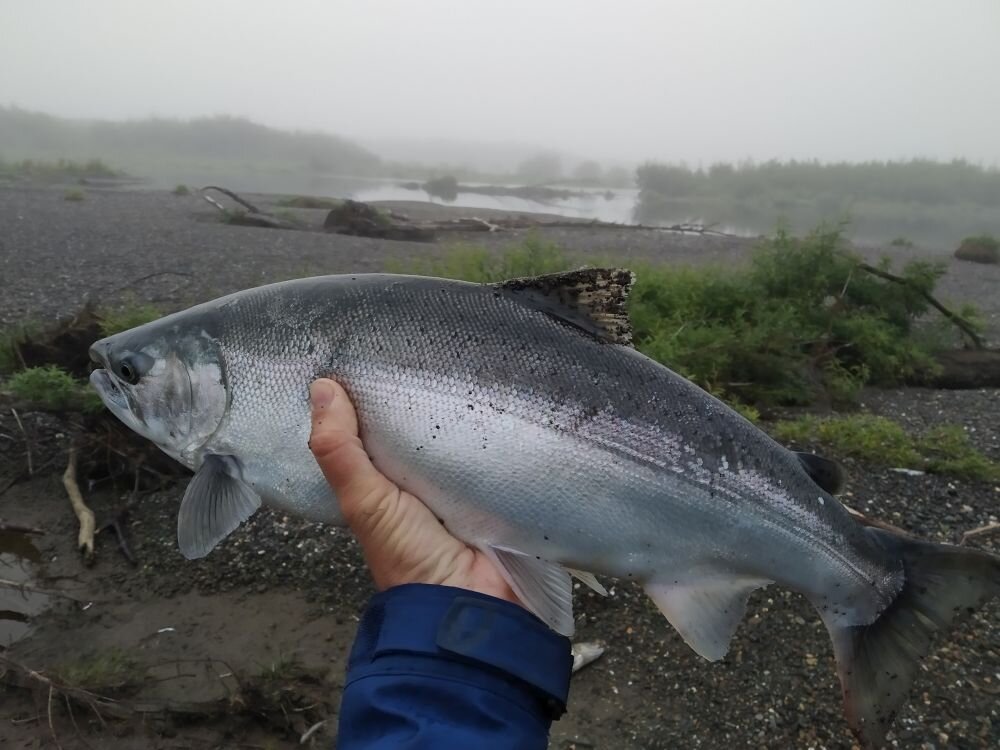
x=85, y=539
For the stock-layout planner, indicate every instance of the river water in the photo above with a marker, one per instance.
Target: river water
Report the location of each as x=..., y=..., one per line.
x=18, y=556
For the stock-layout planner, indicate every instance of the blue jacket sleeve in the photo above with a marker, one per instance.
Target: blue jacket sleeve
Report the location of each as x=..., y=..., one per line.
x=440, y=667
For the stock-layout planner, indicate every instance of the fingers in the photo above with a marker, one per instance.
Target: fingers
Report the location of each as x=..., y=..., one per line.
x=360, y=487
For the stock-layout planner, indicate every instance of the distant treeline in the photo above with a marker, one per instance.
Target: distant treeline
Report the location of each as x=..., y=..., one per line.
x=920, y=198
x=36, y=135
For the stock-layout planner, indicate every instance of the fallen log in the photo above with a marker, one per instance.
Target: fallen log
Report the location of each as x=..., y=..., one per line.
x=967, y=369
x=361, y=220
x=251, y=217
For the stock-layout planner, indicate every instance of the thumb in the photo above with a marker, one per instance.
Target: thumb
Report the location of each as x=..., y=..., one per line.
x=335, y=444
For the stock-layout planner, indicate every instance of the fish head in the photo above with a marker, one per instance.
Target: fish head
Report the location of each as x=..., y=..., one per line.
x=166, y=382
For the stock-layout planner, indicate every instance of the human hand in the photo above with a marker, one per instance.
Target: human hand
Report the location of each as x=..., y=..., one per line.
x=402, y=540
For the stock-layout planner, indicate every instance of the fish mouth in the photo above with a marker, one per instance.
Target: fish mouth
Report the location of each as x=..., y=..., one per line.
x=112, y=396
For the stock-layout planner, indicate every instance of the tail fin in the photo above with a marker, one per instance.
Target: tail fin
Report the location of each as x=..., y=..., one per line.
x=878, y=662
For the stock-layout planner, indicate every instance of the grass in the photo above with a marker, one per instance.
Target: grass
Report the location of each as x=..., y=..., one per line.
x=52, y=389
x=74, y=195
x=131, y=315
x=532, y=258
x=104, y=670
x=941, y=450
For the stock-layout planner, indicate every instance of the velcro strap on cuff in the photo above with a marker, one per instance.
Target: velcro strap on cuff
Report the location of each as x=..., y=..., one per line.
x=465, y=625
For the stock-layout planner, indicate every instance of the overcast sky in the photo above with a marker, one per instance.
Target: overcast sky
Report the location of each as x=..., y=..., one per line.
x=694, y=81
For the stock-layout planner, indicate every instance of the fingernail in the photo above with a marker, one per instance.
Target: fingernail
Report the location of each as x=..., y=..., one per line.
x=321, y=394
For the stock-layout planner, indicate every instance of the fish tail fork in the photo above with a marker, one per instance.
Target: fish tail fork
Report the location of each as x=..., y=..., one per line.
x=878, y=662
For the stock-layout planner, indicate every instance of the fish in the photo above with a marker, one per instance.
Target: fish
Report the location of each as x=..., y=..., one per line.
x=522, y=415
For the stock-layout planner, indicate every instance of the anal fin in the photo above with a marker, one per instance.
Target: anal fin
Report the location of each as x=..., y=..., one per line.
x=589, y=580
x=706, y=613
x=544, y=587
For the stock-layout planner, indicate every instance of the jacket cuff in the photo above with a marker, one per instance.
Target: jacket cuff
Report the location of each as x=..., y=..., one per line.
x=467, y=628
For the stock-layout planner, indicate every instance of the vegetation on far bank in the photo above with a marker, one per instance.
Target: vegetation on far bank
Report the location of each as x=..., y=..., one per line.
x=933, y=201
x=58, y=169
x=206, y=140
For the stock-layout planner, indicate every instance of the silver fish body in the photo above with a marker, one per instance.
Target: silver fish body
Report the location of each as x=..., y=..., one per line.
x=532, y=439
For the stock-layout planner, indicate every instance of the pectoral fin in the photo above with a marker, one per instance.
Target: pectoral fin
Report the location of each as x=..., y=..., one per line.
x=544, y=587
x=706, y=613
x=215, y=503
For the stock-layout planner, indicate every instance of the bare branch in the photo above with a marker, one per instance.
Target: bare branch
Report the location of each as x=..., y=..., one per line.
x=955, y=318
x=27, y=442
x=987, y=530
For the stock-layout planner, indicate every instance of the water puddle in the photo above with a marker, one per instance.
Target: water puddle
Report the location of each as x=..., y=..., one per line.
x=18, y=558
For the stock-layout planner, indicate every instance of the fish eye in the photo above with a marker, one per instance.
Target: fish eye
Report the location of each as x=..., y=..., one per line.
x=127, y=372
x=131, y=367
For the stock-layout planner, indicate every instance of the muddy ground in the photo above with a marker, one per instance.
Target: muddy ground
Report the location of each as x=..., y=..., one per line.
x=246, y=648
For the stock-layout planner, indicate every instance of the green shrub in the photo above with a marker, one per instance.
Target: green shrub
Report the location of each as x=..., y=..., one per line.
x=982, y=249
x=901, y=242
x=52, y=389
x=181, y=190
x=803, y=322
x=941, y=450
x=74, y=195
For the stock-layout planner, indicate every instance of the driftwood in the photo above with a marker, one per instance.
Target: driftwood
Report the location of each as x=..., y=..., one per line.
x=362, y=220
x=252, y=217
x=16, y=528
x=988, y=530
x=85, y=539
x=965, y=369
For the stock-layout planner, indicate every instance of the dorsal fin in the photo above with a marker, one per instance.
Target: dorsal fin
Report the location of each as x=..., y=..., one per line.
x=828, y=475
x=591, y=299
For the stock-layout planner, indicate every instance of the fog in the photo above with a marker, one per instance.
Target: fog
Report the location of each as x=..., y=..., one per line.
x=695, y=81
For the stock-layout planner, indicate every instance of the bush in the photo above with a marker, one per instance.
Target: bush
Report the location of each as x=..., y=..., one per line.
x=74, y=195
x=802, y=323
x=53, y=389
x=901, y=242
x=181, y=190
x=982, y=249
